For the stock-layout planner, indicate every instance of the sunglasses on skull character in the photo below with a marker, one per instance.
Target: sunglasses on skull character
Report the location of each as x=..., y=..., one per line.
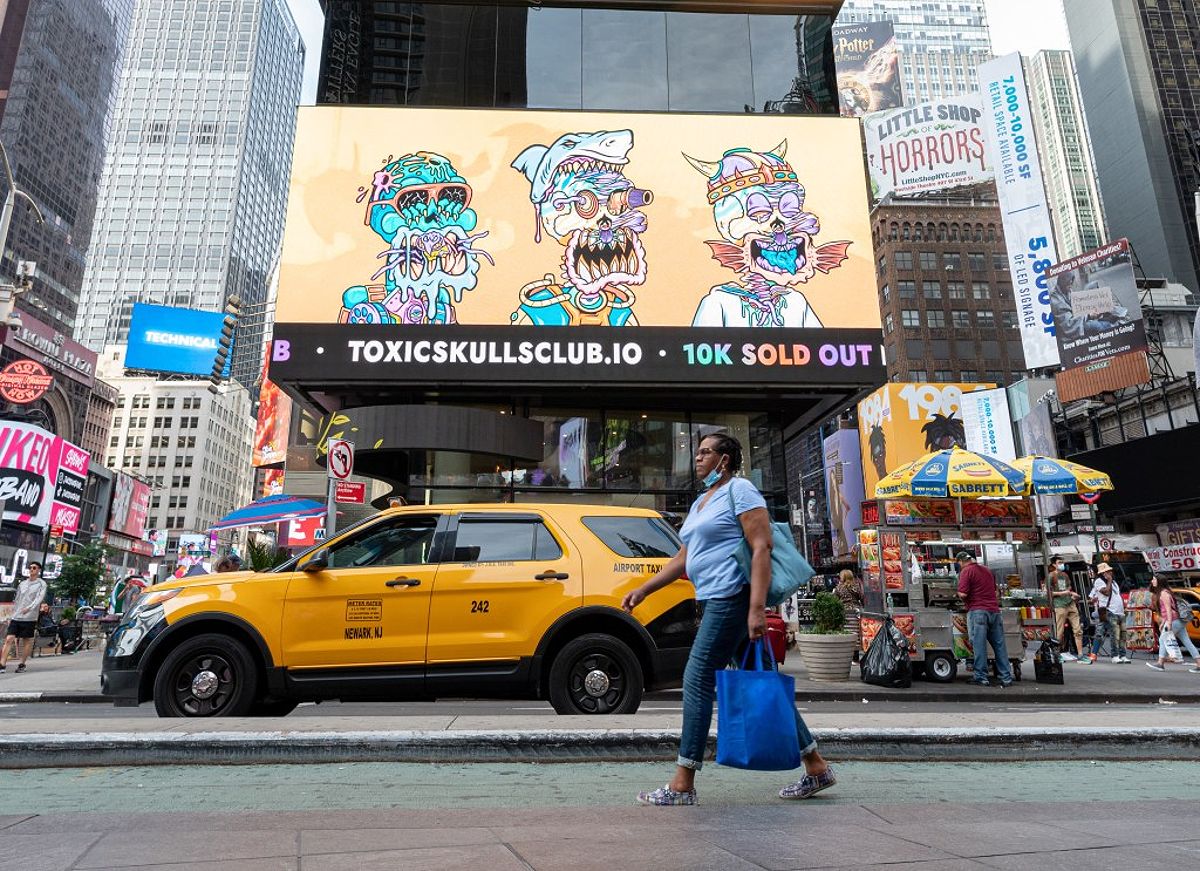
x=421, y=196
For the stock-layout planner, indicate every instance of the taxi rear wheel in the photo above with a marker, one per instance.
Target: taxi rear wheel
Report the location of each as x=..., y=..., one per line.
x=596, y=674
x=206, y=676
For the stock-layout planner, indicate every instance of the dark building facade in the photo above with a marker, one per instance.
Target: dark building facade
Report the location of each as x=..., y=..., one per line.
x=945, y=291
x=567, y=436
x=59, y=73
x=1139, y=75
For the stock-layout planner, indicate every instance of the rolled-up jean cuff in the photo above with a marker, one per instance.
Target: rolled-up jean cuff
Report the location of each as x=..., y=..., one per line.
x=684, y=762
x=811, y=748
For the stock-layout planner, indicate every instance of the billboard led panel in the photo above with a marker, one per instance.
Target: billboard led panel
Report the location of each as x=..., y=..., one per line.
x=167, y=339
x=130, y=506
x=722, y=247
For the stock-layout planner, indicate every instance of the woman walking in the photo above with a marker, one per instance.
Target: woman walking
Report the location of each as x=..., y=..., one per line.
x=733, y=607
x=1170, y=624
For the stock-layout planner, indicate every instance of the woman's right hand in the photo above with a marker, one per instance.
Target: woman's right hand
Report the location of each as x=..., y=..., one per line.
x=633, y=599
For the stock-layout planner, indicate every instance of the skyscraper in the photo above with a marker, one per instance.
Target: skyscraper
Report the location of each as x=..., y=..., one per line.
x=194, y=189
x=1068, y=168
x=941, y=43
x=59, y=68
x=1139, y=74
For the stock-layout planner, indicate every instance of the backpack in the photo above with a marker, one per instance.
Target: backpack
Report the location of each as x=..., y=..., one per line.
x=1184, y=607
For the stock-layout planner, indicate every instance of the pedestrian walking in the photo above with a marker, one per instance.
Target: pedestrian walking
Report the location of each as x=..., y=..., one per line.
x=1172, y=632
x=23, y=625
x=1066, y=609
x=733, y=608
x=977, y=587
x=1110, y=615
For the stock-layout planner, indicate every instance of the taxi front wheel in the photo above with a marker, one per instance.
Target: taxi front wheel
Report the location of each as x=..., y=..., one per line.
x=596, y=674
x=206, y=676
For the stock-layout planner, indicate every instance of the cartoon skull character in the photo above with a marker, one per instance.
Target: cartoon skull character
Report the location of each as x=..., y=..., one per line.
x=584, y=201
x=767, y=238
x=420, y=206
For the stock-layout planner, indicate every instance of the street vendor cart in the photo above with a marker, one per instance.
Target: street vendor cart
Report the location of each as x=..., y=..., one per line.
x=907, y=547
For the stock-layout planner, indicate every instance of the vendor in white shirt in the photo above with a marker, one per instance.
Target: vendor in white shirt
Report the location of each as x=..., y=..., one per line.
x=1110, y=614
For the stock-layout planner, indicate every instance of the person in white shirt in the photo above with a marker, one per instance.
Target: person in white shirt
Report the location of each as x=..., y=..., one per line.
x=1110, y=614
x=23, y=625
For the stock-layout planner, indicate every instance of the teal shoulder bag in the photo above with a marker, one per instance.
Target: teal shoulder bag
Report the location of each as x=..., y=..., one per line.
x=789, y=569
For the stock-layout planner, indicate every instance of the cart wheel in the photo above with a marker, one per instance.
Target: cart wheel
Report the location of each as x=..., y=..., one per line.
x=1016, y=669
x=940, y=667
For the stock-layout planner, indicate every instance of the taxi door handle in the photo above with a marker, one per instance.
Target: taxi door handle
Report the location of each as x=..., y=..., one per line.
x=551, y=576
x=403, y=582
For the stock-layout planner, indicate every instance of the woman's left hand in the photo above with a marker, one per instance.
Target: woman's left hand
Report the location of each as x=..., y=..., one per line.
x=756, y=623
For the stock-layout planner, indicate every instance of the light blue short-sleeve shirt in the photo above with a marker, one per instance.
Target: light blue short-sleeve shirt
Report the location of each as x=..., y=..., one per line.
x=712, y=535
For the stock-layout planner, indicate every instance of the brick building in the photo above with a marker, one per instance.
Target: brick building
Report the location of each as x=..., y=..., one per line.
x=945, y=293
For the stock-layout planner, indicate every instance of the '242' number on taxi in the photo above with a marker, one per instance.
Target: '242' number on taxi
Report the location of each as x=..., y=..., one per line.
x=480, y=606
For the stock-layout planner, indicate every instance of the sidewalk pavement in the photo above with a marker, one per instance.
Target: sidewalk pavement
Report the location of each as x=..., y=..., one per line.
x=76, y=678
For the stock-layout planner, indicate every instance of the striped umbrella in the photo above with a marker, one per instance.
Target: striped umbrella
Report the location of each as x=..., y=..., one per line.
x=272, y=509
x=954, y=472
x=1046, y=476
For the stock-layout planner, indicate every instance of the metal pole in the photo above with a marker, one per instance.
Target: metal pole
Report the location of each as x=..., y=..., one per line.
x=330, y=509
x=1095, y=531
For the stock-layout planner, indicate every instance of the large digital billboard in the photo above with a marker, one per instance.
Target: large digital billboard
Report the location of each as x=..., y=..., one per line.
x=42, y=477
x=130, y=506
x=167, y=339
x=699, y=231
x=868, y=67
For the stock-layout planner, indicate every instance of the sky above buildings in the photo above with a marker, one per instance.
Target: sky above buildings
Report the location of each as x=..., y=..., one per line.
x=1026, y=26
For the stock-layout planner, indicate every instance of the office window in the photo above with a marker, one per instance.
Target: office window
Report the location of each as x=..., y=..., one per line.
x=931, y=290
x=889, y=323
x=929, y=260
x=970, y=375
x=981, y=290
x=956, y=289
x=960, y=318
x=952, y=261
x=985, y=319
x=942, y=376
x=904, y=261
x=910, y=317
x=936, y=318
x=977, y=261
x=907, y=289
x=885, y=293
x=918, y=375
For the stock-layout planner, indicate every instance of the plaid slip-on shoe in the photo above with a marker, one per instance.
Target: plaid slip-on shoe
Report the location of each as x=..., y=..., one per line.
x=809, y=785
x=664, y=796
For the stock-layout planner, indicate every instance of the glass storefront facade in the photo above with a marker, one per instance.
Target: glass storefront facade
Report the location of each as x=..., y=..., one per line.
x=506, y=56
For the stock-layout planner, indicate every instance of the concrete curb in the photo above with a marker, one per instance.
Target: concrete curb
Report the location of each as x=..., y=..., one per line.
x=74, y=750
x=71, y=698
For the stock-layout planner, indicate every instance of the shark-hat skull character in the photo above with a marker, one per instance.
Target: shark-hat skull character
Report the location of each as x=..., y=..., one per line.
x=766, y=238
x=420, y=206
x=583, y=199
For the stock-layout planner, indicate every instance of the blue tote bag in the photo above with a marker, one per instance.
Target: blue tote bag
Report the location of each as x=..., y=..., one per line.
x=789, y=570
x=756, y=715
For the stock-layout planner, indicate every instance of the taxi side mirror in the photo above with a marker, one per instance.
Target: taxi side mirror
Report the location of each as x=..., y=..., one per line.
x=318, y=562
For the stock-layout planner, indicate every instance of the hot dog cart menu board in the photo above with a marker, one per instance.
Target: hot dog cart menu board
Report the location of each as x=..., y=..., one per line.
x=868, y=557
x=1007, y=513
x=892, y=548
x=919, y=512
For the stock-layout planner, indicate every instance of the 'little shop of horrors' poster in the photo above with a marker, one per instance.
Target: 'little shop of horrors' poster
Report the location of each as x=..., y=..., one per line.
x=493, y=217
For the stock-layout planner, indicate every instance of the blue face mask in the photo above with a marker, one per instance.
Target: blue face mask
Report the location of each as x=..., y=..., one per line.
x=711, y=478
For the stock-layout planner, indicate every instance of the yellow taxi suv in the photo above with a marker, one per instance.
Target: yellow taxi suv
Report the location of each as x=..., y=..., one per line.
x=479, y=601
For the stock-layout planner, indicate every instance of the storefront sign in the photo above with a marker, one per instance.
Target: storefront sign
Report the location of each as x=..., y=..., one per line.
x=928, y=147
x=1028, y=231
x=41, y=477
x=693, y=232
x=899, y=423
x=24, y=381
x=1174, y=558
x=55, y=351
x=350, y=492
x=1179, y=532
x=868, y=67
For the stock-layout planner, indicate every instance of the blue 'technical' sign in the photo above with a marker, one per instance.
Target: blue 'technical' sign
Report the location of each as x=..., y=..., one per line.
x=167, y=339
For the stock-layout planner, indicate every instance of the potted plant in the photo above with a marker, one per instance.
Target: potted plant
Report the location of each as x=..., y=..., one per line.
x=827, y=648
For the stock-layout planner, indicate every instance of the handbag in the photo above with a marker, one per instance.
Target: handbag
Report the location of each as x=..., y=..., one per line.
x=1168, y=639
x=789, y=570
x=756, y=715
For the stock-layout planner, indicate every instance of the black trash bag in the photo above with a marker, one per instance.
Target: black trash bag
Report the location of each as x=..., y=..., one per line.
x=1047, y=663
x=886, y=663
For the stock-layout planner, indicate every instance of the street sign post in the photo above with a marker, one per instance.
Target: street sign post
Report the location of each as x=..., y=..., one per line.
x=340, y=463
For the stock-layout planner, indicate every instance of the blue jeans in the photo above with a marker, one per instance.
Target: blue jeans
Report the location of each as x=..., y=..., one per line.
x=722, y=630
x=987, y=627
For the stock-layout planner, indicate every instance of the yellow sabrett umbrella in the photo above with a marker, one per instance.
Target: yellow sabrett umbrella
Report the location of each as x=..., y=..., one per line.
x=1049, y=476
x=953, y=472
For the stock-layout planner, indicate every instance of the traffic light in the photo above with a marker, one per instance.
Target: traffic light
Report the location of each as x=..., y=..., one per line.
x=233, y=308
